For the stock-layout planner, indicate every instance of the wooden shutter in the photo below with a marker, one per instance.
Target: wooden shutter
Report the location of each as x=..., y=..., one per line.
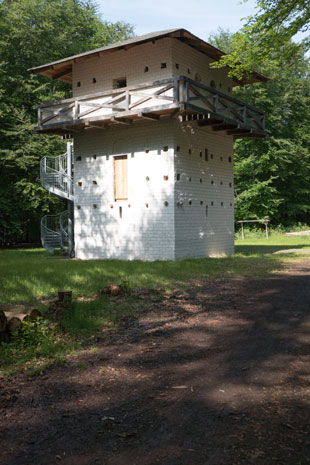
x=121, y=177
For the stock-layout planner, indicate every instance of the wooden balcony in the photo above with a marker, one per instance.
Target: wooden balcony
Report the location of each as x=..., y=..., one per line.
x=175, y=98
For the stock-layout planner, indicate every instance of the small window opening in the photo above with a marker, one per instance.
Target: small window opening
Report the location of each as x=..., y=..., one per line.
x=212, y=203
x=121, y=212
x=178, y=148
x=146, y=69
x=94, y=80
x=189, y=151
x=177, y=65
x=229, y=159
x=80, y=183
x=200, y=154
x=211, y=156
x=212, y=182
x=95, y=182
x=165, y=148
x=190, y=202
x=201, y=202
x=119, y=83
x=230, y=184
x=79, y=158
x=178, y=177
x=78, y=84
x=163, y=65
x=94, y=205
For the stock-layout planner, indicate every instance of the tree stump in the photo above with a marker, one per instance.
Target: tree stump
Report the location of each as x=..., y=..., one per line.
x=65, y=296
x=14, y=325
x=3, y=321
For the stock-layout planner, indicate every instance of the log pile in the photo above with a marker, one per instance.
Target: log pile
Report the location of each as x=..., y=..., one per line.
x=10, y=325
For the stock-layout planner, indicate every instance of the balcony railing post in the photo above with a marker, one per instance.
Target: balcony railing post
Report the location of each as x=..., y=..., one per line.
x=176, y=96
x=127, y=100
x=76, y=110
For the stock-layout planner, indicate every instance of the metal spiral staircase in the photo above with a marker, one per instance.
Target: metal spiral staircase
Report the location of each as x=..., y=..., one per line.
x=57, y=177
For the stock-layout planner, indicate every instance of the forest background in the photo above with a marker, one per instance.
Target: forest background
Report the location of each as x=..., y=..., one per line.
x=272, y=176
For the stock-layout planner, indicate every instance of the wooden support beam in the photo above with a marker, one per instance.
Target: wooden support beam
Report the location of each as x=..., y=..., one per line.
x=146, y=115
x=62, y=73
x=115, y=119
x=209, y=122
x=224, y=127
x=89, y=125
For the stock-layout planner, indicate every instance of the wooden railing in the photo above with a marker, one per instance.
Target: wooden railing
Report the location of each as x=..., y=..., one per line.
x=150, y=100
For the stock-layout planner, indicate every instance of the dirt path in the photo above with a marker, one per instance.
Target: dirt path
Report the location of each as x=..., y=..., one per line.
x=216, y=376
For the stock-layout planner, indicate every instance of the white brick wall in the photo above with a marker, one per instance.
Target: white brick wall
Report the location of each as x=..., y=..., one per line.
x=204, y=223
x=129, y=63
x=143, y=232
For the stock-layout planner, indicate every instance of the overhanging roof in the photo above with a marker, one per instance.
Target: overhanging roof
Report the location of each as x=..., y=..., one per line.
x=62, y=69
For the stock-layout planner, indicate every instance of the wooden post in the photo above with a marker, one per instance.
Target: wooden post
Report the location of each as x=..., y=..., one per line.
x=242, y=228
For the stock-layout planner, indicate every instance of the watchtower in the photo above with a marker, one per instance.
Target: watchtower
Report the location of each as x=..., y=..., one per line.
x=153, y=128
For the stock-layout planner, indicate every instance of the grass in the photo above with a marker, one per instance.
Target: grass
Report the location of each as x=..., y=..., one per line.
x=26, y=276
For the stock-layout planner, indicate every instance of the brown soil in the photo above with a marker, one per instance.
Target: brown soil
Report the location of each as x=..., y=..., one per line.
x=215, y=376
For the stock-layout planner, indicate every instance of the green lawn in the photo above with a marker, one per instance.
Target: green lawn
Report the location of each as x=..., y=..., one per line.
x=26, y=276
x=29, y=274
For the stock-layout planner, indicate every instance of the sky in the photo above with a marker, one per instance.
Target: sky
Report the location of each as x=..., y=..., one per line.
x=201, y=17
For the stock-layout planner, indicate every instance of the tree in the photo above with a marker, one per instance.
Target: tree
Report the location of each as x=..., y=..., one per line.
x=271, y=28
x=34, y=32
x=272, y=176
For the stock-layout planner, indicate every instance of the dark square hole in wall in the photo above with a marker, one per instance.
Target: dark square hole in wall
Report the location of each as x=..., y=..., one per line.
x=94, y=157
x=94, y=205
x=211, y=156
x=178, y=177
x=78, y=84
x=212, y=203
x=78, y=158
x=222, y=204
x=121, y=212
x=166, y=178
x=200, y=180
x=119, y=83
x=94, y=182
x=190, y=202
x=221, y=183
x=200, y=154
x=189, y=71
x=146, y=68
x=165, y=148
x=206, y=210
x=94, y=80
x=163, y=65
x=78, y=207
x=189, y=151
x=212, y=182
x=230, y=184
x=178, y=148
x=80, y=183
x=177, y=65
x=229, y=159
x=201, y=202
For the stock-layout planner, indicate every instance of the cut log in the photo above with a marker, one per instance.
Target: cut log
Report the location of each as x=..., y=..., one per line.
x=35, y=314
x=3, y=321
x=65, y=296
x=14, y=325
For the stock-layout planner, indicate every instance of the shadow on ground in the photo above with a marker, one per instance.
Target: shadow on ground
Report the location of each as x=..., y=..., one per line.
x=218, y=375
